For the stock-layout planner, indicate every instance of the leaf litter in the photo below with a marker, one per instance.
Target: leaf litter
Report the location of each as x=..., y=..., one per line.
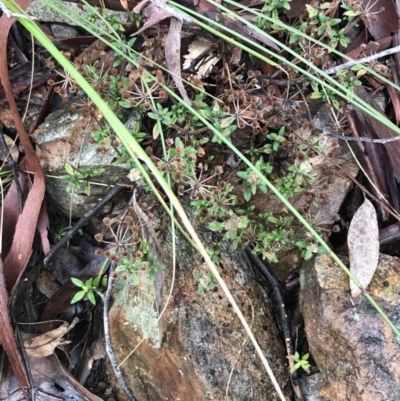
x=380, y=21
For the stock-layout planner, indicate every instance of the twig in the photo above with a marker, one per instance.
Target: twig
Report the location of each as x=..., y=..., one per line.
x=83, y=220
x=106, y=301
x=109, y=348
x=367, y=59
x=360, y=139
x=33, y=389
x=283, y=317
x=192, y=132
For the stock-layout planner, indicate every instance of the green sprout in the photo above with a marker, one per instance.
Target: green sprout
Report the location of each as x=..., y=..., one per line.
x=80, y=178
x=88, y=289
x=300, y=362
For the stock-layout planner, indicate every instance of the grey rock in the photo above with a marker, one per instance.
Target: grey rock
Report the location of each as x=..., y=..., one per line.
x=45, y=13
x=63, y=31
x=63, y=138
x=205, y=351
x=310, y=386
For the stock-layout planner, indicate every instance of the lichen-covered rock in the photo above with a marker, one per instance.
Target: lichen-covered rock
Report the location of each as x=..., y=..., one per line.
x=355, y=350
x=205, y=353
x=64, y=137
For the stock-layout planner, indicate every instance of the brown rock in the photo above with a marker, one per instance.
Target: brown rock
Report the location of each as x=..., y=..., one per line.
x=353, y=347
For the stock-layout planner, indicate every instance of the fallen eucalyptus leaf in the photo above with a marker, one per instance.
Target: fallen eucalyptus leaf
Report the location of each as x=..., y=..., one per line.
x=363, y=243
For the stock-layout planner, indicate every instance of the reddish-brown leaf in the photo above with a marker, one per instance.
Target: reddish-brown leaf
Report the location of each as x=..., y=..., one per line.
x=7, y=338
x=380, y=17
x=21, y=247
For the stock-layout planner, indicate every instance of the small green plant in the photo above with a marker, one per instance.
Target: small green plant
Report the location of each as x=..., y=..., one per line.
x=215, y=253
x=112, y=19
x=271, y=8
x=88, y=289
x=59, y=234
x=252, y=181
x=308, y=248
x=339, y=38
x=349, y=80
x=178, y=115
x=324, y=94
x=206, y=281
x=264, y=232
x=277, y=139
x=79, y=179
x=300, y=362
x=141, y=261
x=298, y=177
x=323, y=22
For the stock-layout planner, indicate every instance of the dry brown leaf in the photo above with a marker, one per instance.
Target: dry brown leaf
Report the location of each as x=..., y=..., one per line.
x=363, y=243
x=152, y=12
x=95, y=352
x=44, y=344
x=380, y=17
x=17, y=258
x=52, y=381
x=173, y=56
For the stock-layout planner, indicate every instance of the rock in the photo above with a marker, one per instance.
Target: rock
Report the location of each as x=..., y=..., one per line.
x=310, y=386
x=45, y=13
x=63, y=31
x=355, y=350
x=205, y=352
x=64, y=137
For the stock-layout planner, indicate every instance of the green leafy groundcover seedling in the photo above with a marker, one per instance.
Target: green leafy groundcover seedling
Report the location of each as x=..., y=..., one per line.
x=88, y=289
x=206, y=281
x=300, y=362
x=142, y=261
x=79, y=178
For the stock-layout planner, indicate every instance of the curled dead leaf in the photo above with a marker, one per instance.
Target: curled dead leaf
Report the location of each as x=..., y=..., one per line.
x=44, y=344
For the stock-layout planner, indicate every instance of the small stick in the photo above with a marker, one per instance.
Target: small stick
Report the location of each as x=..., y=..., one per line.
x=83, y=220
x=361, y=139
x=283, y=317
x=373, y=57
x=109, y=348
